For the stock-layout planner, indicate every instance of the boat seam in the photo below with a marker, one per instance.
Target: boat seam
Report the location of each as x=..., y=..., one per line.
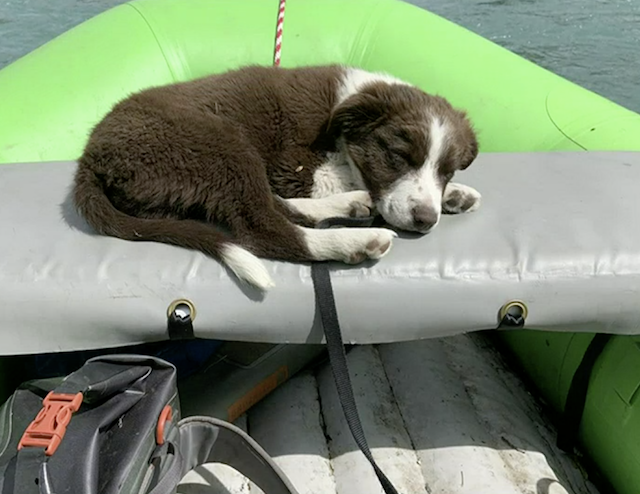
x=363, y=26
x=404, y=422
x=546, y=107
x=155, y=36
x=323, y=427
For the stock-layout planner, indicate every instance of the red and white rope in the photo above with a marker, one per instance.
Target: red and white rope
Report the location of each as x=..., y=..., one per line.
x=278, y=48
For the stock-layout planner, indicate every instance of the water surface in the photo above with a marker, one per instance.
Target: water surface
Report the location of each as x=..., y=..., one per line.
x=595, y=43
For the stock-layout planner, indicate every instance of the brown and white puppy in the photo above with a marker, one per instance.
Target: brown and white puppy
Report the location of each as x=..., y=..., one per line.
x=267, y=153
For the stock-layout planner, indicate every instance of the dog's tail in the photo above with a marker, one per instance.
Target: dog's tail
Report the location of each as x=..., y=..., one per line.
x=96, y=208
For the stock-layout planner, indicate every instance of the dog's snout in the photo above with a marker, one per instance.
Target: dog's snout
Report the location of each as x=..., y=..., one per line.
x=424, y=217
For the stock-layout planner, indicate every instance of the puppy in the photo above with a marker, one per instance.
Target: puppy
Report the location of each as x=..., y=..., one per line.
x=244, y=164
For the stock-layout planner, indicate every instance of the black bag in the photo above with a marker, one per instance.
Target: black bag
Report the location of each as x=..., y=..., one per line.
x=114, y=427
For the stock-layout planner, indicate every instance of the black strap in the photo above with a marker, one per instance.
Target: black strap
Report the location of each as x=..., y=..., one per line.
x=337, y=355
x=24, y=472
x=577, y=395
x=180, y=323
x=511, y=321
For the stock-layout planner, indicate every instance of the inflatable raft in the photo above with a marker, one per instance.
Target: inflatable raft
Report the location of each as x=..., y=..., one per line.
x=557, y=230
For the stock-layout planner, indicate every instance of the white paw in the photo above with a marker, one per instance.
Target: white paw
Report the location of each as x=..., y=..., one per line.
x=370, y=243
x=458, y=198
x=349, y=245
x=355, y=204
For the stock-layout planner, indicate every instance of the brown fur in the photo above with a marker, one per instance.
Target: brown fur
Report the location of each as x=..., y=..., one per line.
x=168, y=164
x=402, y=140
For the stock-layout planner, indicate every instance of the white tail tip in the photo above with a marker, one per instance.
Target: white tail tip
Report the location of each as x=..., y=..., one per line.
x=247, y=267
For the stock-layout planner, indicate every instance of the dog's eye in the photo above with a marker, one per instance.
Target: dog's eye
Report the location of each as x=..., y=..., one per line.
x=401, y=156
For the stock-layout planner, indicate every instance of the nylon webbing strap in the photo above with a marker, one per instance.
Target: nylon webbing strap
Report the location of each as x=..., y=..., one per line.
x=335, y=347
x=577, y=395
x=24, y=472
x=329, y=317
x=205, y=440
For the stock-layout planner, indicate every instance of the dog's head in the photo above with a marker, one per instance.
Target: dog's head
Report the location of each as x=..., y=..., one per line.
x=406, y=145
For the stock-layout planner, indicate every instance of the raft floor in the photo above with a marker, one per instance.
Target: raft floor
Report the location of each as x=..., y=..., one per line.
x=442, y=416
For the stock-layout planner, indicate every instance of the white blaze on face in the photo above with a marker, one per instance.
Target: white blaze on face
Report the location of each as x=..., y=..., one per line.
x=418, y=188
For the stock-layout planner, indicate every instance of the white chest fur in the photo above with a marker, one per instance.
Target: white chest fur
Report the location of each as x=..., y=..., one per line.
x=335, y=176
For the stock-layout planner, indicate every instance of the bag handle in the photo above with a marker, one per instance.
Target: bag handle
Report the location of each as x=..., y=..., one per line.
x=210, y=440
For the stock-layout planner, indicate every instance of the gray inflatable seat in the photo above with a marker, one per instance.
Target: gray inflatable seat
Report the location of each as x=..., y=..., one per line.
x=559, y=231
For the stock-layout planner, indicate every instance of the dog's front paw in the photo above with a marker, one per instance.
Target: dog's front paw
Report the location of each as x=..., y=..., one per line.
x=458, y=198
x=368, y=243
x=348, y=245
x=354, y=204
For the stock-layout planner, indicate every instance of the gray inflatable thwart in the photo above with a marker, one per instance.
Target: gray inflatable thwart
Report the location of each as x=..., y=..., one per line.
x=559, y=231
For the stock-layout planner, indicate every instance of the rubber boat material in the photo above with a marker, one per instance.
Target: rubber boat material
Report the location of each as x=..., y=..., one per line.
x=53, y=96
x=537, y=237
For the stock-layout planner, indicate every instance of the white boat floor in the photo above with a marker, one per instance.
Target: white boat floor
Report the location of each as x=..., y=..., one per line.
x=442, y=416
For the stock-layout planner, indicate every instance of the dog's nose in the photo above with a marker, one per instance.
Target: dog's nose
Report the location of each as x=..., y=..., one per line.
x=424, y=217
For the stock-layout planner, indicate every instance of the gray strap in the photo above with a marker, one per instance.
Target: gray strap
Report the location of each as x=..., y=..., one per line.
x=172, y=477
x=209, y=440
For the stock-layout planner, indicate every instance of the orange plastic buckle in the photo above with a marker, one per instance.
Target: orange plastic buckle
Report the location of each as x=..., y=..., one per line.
x=50, y=425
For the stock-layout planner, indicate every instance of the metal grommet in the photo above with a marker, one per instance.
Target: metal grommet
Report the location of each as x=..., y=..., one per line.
x=182, y=309
x=180, y=316
x=513, y=314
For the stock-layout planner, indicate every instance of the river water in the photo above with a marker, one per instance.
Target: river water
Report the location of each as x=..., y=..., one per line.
x=595, y=43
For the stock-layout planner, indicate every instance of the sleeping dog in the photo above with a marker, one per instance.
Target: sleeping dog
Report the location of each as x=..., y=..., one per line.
x=265, y=154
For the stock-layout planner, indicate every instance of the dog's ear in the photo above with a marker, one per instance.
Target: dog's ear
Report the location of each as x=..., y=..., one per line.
x=470, y=154
x=357, y=116
x=470, y=143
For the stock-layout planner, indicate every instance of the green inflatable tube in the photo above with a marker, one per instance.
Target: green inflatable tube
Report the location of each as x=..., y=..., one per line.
x=53, y=96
